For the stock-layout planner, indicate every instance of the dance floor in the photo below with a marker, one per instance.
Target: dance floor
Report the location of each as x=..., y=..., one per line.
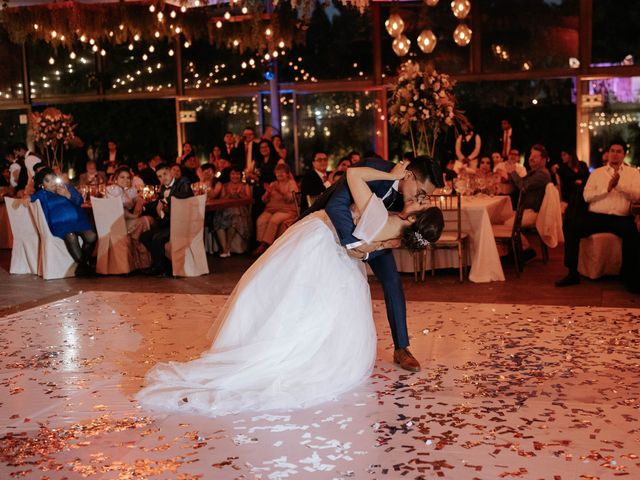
x=506, y=391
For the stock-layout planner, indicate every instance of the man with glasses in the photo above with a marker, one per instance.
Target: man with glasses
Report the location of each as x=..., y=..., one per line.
x=315, y=181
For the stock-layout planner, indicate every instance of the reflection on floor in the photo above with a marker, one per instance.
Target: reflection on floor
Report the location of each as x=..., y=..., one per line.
x=507, y=391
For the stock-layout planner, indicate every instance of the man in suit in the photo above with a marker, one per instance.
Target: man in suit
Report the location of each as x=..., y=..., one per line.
x=315, y=181
x=156, y=238
x=422, y=177
x=246, y=153
x=228, y=146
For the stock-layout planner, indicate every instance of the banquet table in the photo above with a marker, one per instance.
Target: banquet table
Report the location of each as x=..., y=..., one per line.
x=478, y=214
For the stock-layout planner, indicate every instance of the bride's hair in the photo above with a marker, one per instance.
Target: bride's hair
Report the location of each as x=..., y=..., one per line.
x=425, y=230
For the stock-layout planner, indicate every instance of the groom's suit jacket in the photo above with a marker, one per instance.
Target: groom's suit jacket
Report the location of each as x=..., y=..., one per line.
x=336, y=201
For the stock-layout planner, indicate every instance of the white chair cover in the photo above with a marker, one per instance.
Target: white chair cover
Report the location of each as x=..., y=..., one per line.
x=113, y=241
x=54, y=260
x=549, y=220
x=188, y=257
x=600, y=255
x=26, y=242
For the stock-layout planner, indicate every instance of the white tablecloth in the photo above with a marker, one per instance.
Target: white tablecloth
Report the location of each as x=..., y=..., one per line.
x=478, y=213
x=6, y=239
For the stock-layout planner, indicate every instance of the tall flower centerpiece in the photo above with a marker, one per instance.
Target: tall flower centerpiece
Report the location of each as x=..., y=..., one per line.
x=422, y=104
x=53, y=132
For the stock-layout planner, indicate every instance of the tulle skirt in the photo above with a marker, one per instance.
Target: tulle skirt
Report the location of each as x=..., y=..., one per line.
x=296, y=331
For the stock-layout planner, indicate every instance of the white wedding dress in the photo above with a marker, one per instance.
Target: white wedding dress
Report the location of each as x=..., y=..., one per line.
x=296, y=331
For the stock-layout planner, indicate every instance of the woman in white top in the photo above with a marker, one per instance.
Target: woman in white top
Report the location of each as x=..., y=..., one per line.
x=136, y=222
x=297, y=316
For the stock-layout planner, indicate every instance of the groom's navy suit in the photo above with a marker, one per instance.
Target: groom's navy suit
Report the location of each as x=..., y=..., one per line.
x=336, y=201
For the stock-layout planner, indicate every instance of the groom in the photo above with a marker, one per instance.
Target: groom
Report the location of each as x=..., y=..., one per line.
x=422, y=177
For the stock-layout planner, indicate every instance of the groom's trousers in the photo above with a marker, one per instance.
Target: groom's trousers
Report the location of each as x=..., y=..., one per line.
x=385, y=270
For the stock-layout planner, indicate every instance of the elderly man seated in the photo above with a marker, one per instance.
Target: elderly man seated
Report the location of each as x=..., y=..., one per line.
x=609, y=193
x=534, y=183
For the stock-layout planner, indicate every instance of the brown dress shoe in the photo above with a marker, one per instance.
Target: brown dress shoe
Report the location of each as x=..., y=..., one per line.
x=403, y=357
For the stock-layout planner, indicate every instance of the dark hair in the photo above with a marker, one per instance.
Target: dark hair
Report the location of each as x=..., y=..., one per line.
x=162, y=166
x=408, y=156
x=273, y=155
x=572, y=154
x=618, y=141
x=543, y=151
x=424, y=167
x=38, y=166
x=38, y=178
x=426, y=229
x=20, y=146
x=119, y=170
x=207, y=166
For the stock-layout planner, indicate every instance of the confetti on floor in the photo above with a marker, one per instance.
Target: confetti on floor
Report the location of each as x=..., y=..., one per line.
x=506, y=391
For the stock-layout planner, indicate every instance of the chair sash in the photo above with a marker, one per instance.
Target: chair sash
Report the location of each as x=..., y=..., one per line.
x=26, y=242
x=188, y=256
x=54, y=260
x=113, y=241
x=549, y=220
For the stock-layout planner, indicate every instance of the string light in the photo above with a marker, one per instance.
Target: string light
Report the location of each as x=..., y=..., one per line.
x=51, y=60
x=218, y=24
x=152, y=8
x=183, y=9
x=227, y=15
x=173, y=14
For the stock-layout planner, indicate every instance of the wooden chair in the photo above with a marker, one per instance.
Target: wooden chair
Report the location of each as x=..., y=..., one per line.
x=297, y=199
x=451, y=238
x=420, y=264
x=512, y=237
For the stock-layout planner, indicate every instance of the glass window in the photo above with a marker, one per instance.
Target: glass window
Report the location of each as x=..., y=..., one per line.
x=213, y=117
x=13, y=129
x=615, y=32
x=543, y=34
x=60, y=71
x=336, y=123
x=11, y=71
x=140, y=67
x=140, y=128
x=539, y=111
x=338, y=46
x=613, y=112
x=207, y=66
x=447, y=55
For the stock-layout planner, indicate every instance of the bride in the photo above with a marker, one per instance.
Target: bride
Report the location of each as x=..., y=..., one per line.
x=298, y=328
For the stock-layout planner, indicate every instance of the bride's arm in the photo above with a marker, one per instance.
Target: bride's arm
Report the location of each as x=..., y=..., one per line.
x=379, y=245
x=358, y=177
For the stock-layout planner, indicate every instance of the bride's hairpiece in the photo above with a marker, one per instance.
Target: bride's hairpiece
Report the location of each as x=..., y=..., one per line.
x=423, y=242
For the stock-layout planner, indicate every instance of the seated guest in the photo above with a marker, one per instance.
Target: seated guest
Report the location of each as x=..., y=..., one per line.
x=315, y=181
x=188, y=163
x=146, y=173
x=175, y=170
x=511, y=165
x=497, y=159
x=571, y=175
x=92, y=177
x=207, y=176
x=280, y=208
x=485, y=167
x=156, y=238
x=153, y=164
x=233, y=222
x=340, y=169
x=219, y=161
x=136, y=223
x=61, y=204
x=609, y=193
x=535, y=182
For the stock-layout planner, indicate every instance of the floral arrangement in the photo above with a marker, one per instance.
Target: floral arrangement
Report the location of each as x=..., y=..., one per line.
x=53, y=132
x=422, y=102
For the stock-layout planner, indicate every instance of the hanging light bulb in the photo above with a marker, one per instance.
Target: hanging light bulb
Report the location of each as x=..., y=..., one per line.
x=462, y=35
x=401, y=45
x=394, y=25
x=431, y=3
x=427, y=41
x=461, y=8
